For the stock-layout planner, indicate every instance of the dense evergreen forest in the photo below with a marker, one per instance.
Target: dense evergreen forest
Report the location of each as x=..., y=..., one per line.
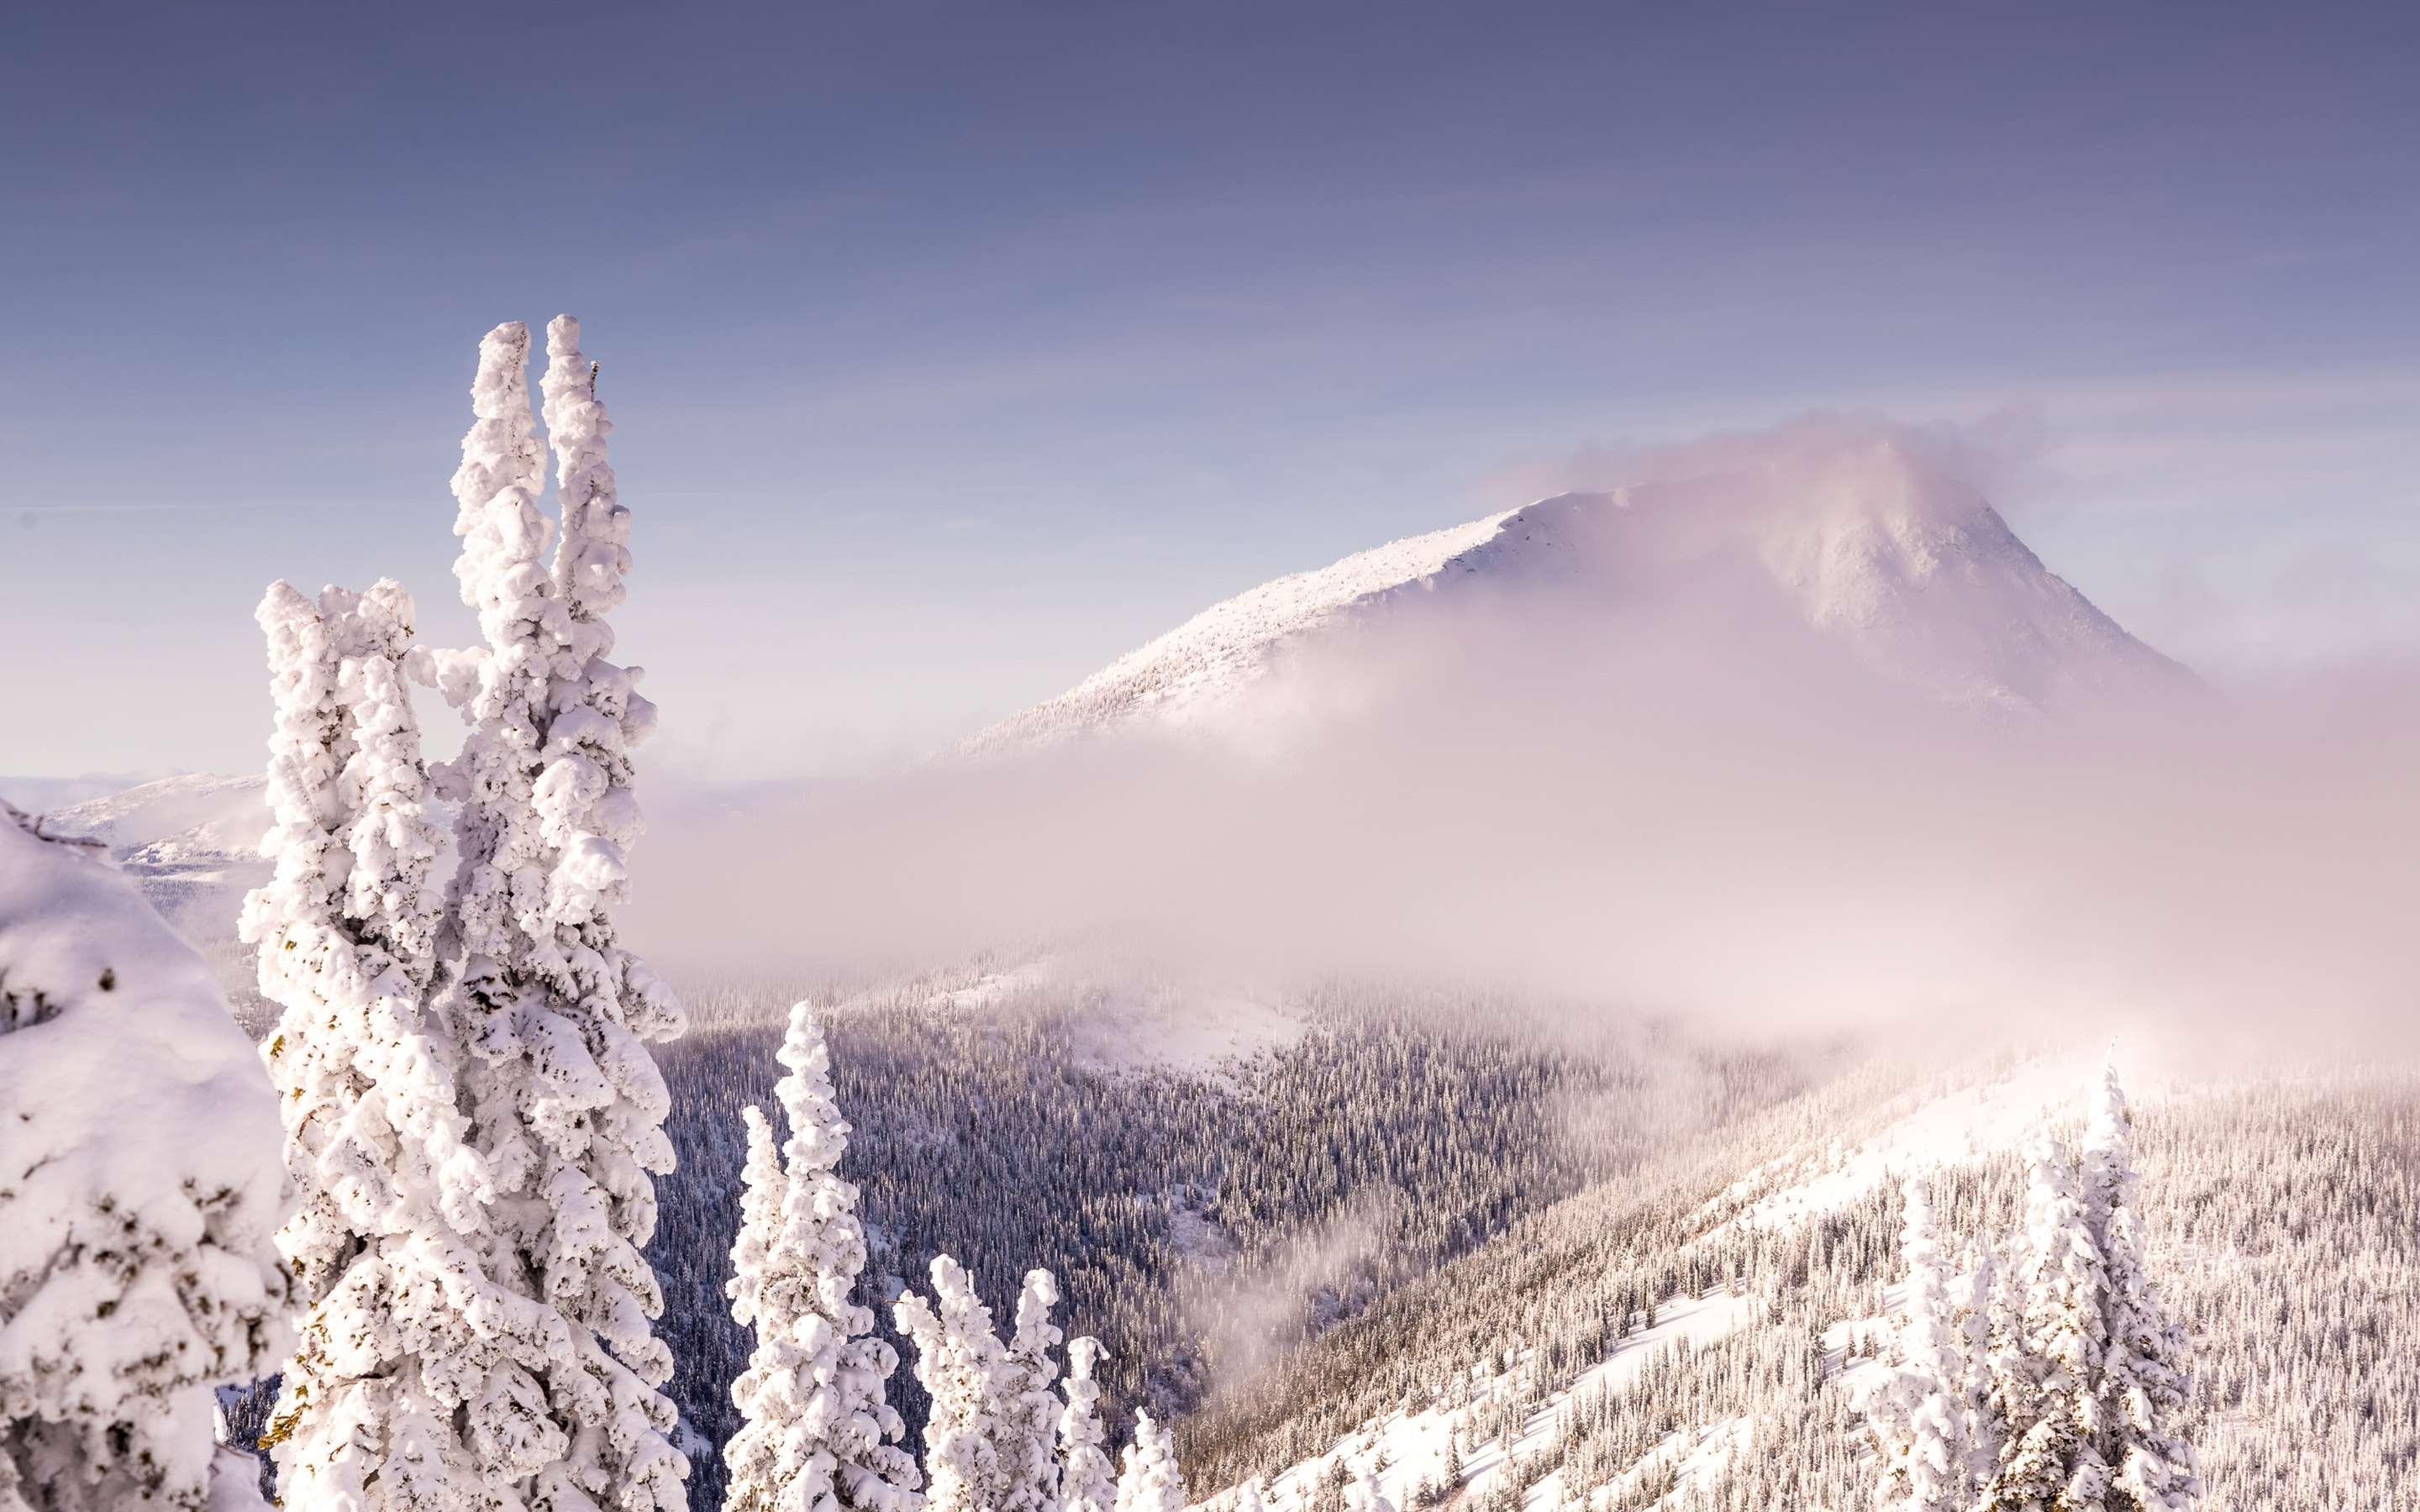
x=1452, y=1206
x=1199, y=1224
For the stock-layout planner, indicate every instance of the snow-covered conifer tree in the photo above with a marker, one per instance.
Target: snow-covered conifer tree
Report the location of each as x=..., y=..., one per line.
x=140, y=1191
x=1915, y=1411
x=566, y=1105
x=1031, y=1411
x=964, y=1369
x=1088, y=1481
x=1979, y=1427
x=818, y=1434
x=2144, y=1393
x=1251, y=1497
x=403, y=1327
x=1151, y=1481
x=2049, y=1367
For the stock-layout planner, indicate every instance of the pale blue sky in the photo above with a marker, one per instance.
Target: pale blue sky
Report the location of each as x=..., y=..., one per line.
x=957, y=347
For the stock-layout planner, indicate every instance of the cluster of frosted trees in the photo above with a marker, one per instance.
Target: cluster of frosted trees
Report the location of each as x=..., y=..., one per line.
x=473, y=1118
x=817, y=1434
x=2050, y=1379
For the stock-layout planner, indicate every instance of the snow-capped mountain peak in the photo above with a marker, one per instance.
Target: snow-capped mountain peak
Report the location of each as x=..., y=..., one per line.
x=1205, y=660
x=1866, y=547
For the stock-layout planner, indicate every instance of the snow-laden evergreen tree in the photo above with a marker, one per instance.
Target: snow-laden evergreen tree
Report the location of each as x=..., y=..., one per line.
x=1979, y=1427
x=140, y=1192
x=818, y=1434
x=403, y=1328
x=1366, y=1496
x=1252, y=1497
x=1150, y=1481
x=964, y=1369
x=1088, y=1481
x=1917, y=1410
x=2049, y=1365
x=1030, y=1415
x=475, y=1115
x=2144, y=1392
x=566, y=1105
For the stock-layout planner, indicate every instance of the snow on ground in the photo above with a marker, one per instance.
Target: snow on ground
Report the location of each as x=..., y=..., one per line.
x=1688, y=1453
x=140, y=1179
x=1853, y=1347
x=1197, y=1237
x=1949, y=1124
x=197, y=819
x=1194, y=1032
x=190, y=843
x=1126, y=1017
x=1413, y=1448
x=1955, y=1127
x=994, y=988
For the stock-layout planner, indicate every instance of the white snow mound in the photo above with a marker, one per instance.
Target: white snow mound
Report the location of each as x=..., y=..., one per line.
x=140, y=1185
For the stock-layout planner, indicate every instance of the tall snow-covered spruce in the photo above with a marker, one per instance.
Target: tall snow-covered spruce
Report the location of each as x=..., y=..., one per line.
x=963, y=1368
x=1030, y=1461
x=140, y=1189
x=1916, y=1411
x=402, y=1328
x=566, y=1105
x=1978, y=1427
x=2144, y=1392
x=1088, y=1481
x=472, y=1107
x=2048, y=1358
x=818, y=1434
x=1151, y=1481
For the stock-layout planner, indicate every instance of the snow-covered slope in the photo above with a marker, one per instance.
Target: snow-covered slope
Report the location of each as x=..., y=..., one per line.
x=1122, y=1013
x=1527, y=1406
x=2279, y=1218
x=192, y=843
x=1409, y=1451
x=1206, y=663
x=193, y=825
x=1865, y=546
x=140, y=1185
